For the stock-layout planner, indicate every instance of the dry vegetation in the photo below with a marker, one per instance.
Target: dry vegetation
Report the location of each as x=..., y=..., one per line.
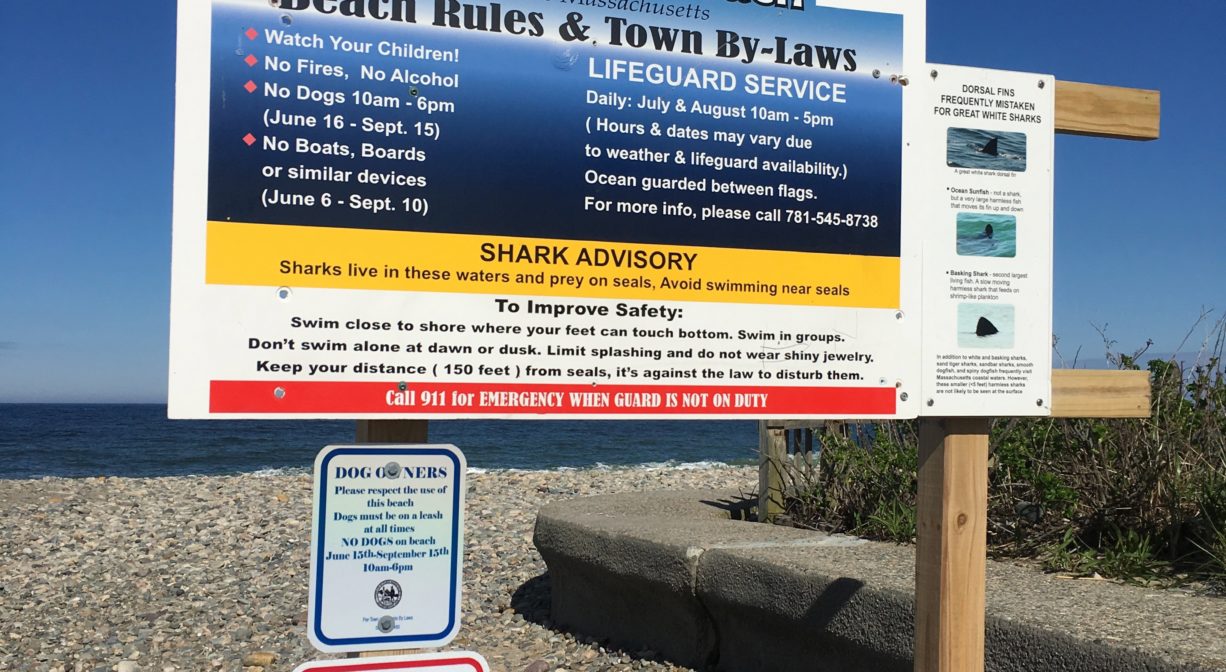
x=1140, y=500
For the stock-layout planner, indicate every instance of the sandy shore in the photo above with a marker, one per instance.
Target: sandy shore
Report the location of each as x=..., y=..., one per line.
x=200, y=573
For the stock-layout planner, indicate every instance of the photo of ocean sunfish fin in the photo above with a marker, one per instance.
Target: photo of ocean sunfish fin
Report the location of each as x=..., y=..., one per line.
x=990, y=148
x=987, y=231
x=985, y=327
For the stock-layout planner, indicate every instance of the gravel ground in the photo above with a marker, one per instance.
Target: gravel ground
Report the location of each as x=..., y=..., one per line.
x=207, y=573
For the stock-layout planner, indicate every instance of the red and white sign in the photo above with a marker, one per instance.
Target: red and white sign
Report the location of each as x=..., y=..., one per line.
x=447, y=661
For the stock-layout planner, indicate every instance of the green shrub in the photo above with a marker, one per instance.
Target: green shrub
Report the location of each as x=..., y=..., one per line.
x=862, y=489
x=1134, y=499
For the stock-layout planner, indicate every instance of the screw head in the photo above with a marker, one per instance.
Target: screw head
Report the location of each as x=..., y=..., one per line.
x=903, y=396
x=392, y=469
x=279, y=393
x=933, y=74
x=931, y=402
x=1042, y=83
x=386, y=624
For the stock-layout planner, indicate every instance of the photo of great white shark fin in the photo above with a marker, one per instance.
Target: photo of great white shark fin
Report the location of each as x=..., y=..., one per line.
x=990, y=148
x=985, y=327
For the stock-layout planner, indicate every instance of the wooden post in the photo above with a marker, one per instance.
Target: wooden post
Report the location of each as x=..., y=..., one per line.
x=390, y=431
x=951, y=535
x=772, y=451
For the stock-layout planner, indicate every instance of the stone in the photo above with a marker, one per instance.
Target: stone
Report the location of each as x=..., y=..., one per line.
x=259, y=659
x=209, y=607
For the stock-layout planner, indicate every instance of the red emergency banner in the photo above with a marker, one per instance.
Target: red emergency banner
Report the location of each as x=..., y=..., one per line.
x=502, y=399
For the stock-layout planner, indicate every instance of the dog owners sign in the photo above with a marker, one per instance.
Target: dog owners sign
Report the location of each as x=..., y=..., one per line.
x=387, y=547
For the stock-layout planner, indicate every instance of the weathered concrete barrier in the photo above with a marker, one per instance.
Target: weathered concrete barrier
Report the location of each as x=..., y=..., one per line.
x=676, y=573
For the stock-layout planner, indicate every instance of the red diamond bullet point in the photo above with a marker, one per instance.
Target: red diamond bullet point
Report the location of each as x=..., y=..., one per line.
x=251, y=34
x=249, y=139
x=251, y=60
x=250, y=86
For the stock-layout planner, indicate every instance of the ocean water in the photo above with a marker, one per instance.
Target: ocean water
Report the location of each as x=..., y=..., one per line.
x=137, y=440
x=962, y=147
x=974, y=243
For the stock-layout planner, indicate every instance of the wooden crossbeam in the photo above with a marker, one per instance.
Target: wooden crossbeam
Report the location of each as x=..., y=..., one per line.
x=1075, y=393
x=1086, y=393
x=1107, y=111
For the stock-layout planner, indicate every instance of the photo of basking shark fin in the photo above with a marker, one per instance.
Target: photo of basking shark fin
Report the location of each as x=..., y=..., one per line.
x=987, y=231
x=990, y=148
x=985, y=327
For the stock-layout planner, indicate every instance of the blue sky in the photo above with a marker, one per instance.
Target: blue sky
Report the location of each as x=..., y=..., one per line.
x=86, y=149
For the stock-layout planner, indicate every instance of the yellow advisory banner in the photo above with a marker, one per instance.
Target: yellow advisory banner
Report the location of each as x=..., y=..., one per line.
x=307, y=256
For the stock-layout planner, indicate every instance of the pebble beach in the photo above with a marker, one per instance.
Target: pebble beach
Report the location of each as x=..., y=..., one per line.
x=211, y=572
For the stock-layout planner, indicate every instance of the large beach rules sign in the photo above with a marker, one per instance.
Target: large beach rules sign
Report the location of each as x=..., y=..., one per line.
x=585, y=208
x=387, y=547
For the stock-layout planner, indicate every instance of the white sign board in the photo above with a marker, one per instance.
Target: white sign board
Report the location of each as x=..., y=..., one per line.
x=446, y=661
x=387, y=547
x=431, y=210
x=988, y=145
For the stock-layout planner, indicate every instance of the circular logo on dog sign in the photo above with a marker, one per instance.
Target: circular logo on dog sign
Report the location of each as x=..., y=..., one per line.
x=388, y=594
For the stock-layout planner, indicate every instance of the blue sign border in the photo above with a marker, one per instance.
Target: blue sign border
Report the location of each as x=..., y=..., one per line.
x=457, y=551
